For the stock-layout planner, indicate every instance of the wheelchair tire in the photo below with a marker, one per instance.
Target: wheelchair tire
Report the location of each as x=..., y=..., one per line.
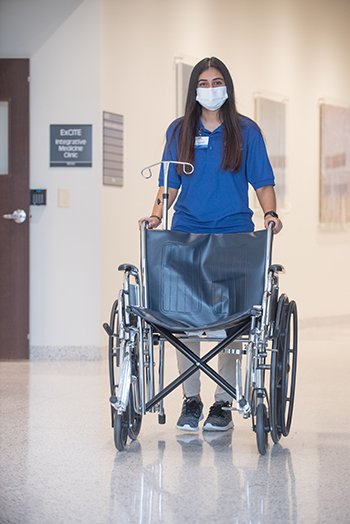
x=135, y=419
x=126, y=424
x=113, y=353
x=261, y=428
x=275, y=396
x=121, y=428
x=289, y=367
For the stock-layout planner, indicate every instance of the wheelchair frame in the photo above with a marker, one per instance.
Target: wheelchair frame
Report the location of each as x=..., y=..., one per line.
x=267, y=356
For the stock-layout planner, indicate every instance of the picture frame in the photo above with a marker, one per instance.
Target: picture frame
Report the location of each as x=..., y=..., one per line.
x=271, y=116
x=183, y=70
x=334, y=172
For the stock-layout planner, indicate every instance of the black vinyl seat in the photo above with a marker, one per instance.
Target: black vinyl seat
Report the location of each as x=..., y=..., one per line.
x=202, y=282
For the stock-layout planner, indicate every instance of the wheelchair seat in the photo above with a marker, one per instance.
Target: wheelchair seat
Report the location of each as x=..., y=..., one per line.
x=202, y=282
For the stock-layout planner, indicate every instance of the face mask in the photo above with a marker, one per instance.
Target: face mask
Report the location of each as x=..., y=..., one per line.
x=212, y=98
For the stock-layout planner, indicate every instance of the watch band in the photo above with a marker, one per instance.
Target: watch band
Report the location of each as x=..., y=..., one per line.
x=156, y=216
x=271, y=213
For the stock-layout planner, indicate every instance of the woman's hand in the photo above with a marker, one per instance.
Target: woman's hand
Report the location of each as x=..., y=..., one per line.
x=277, y=223
x=153, y=221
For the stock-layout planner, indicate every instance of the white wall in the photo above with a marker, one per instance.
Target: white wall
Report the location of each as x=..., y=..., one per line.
x=287, y=48
x=119, y=56
x=65, y=242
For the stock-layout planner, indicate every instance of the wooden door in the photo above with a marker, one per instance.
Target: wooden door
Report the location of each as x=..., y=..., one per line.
x=14, y=205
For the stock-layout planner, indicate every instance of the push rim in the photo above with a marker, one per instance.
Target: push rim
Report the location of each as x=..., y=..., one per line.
x=289, y=367
x=275, y=397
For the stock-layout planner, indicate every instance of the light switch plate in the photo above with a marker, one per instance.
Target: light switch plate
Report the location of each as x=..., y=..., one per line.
x=63, y=197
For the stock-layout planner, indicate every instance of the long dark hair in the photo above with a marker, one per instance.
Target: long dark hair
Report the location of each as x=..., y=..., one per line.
x=231, y=158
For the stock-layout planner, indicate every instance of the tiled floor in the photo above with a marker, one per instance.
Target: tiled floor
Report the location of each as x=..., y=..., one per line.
x=59, y=465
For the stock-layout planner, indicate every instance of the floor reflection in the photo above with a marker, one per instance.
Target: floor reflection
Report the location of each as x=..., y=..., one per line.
x=201, y=480
x=58, y=462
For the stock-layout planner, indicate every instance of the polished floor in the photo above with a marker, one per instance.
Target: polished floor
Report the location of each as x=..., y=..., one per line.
x=58, y=463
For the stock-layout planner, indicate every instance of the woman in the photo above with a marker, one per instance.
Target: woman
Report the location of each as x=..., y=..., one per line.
x=228, y=153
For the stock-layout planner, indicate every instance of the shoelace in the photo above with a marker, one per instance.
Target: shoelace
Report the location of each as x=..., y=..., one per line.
x=191, y=407
x=216, y=409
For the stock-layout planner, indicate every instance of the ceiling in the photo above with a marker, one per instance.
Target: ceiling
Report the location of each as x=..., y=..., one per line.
x=26, y=24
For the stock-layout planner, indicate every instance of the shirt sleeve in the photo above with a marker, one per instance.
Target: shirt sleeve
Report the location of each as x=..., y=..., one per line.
x=258, y=167
x=170, y=153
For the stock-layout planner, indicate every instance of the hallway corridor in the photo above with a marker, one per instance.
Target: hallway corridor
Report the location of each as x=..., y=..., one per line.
x=58, y=463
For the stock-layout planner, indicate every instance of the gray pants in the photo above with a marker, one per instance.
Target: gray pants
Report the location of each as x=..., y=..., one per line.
x=226, y=368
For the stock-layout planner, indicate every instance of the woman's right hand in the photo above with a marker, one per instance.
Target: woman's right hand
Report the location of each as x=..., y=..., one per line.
x=153, y=222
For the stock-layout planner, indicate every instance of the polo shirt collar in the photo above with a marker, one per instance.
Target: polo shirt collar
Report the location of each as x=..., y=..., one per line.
x=204, y=131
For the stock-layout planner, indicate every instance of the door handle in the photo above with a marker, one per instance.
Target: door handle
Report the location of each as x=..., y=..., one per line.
x=18, y=216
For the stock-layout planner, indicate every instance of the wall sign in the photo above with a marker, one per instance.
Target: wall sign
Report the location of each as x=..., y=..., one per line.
x=70, y=145
x=113, y=145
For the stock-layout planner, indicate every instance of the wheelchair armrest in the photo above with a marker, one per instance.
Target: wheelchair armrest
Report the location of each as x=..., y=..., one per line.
x=277, y=268
x=129, y=268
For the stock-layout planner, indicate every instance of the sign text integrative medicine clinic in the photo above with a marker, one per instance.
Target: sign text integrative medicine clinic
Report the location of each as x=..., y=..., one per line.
x=70, y=145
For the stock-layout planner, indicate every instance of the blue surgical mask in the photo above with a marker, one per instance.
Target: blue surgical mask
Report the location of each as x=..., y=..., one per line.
x=212, y=98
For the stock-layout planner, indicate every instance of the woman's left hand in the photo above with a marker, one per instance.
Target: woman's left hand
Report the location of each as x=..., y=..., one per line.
x=277, y=224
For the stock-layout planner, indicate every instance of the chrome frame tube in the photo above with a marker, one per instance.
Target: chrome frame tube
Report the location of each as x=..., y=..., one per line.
x=161, y=374
x=165, y=197
x=268, y=252
x=151, y=386
x=267, y=279
x=239, y=389
x=143, y=294
x=248, y=371
x=141, y=364
x=125, y=381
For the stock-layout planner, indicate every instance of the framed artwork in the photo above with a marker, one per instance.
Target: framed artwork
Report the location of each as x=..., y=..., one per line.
x=334, y=165
x=183, y=70
x=271, y=116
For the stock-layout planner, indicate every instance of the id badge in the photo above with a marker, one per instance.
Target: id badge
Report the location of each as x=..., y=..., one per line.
x=201, y=142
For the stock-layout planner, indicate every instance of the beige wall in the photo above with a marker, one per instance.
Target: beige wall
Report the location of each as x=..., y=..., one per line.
x=288, y=48
x=119, y=56
x=65, y=261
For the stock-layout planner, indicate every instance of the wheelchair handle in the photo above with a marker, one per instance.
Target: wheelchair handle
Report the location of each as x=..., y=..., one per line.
x=268, y=253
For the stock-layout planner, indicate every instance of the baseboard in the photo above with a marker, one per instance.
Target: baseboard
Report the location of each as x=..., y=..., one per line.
x=66, y=353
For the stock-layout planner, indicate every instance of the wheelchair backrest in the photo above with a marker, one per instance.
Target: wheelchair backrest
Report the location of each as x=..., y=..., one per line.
x=203, y=278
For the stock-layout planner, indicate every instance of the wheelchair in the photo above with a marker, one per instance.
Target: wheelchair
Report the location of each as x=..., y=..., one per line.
x=192, y=286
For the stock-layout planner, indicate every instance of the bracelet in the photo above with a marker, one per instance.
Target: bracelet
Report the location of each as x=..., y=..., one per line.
x=271, y=213
x=156, y=216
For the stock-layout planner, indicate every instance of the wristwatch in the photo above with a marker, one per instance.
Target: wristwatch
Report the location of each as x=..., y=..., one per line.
x=271, y=213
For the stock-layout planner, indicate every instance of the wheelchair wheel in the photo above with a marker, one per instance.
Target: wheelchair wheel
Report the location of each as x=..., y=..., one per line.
x=126, y=424
x=113, y=353
x=261, y=428
x=135, y=419
x=275, y=396
x=121, y=428
x=289, y=367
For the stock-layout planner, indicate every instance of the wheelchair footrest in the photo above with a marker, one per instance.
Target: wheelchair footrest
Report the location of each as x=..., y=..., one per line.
x=243, y=407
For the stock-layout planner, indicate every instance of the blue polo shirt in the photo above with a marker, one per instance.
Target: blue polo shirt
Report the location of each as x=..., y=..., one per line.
x=211, y=199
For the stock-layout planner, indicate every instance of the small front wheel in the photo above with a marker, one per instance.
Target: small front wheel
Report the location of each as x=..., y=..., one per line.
x=261, y=428
x=121, y=427
x=135, y=419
